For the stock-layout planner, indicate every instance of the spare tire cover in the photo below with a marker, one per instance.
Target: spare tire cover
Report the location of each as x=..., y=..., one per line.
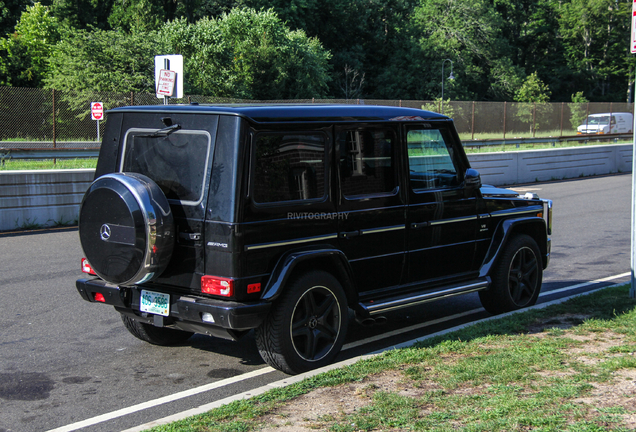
x=126, y=228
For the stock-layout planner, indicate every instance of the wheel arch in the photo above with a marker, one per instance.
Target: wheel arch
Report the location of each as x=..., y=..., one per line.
x=330, y=260
x=534, y=227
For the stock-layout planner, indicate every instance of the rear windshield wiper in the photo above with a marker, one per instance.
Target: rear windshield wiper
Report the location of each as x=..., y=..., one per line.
x=162, y=132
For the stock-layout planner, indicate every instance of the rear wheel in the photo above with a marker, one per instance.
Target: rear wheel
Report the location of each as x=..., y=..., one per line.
x=516, y=280
x=307, y=325
x=155, y=335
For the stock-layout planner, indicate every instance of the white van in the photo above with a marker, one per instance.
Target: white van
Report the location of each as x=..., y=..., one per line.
x=621, y=122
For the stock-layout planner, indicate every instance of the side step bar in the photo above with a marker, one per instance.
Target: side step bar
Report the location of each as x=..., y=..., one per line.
x=412, y=299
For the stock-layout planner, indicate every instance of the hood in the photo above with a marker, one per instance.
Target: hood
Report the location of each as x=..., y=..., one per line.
x=492, y=191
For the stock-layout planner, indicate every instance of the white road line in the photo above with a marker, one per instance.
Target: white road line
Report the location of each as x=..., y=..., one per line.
x=584, y=284
x=291, y=380
x=153, y=403
x=186, y=393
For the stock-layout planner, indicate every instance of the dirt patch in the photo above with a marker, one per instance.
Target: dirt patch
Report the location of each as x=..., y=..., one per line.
x=621, y=392
x=319, y=408
x=562, y=322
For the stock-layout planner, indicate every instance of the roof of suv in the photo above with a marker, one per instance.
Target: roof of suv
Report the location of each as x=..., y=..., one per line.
x=296, y=112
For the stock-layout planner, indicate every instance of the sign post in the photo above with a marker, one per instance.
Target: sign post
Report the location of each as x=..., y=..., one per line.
x=632, y=290
x=169, y=77
x=97, y=113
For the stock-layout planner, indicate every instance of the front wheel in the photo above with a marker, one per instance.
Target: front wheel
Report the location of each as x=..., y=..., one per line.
x=307, y=325
x=516, y=280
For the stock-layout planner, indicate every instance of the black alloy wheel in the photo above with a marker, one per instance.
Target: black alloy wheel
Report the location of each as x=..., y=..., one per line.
x=315, y=323
x=307, y=325
x=516, y=278
x=522, y=276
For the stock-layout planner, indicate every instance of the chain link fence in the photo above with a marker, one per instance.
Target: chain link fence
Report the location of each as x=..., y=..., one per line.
x=38, y=118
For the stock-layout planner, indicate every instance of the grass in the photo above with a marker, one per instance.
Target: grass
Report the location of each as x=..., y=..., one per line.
x=554, y=369
x=23, y=164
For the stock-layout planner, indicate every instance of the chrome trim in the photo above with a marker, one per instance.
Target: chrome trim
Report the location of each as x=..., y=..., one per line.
x=380, y=230
x=513, y=212
x=376, y=308
x=290, y=242
x=452, y=220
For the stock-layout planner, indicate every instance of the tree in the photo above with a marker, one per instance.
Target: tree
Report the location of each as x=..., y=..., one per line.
x=251, y=55
x=533, y=90
x=82, y=14
x=10, y=12
x=578, y=109
x=595, y=35
x=104, y=61
x=25, y=53
x=533, y=94
x=467, y=33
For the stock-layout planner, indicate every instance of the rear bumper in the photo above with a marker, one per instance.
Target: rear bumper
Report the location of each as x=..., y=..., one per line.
x=186, y=311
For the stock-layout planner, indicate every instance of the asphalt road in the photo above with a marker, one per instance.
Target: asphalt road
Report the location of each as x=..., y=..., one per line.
x=63, y=360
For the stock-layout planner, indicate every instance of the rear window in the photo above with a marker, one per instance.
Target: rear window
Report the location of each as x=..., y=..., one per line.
x=177, y=162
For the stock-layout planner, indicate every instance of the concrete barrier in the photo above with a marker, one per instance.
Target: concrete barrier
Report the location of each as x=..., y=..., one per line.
x=30, y=199
x=507, y=168
x=41, y=198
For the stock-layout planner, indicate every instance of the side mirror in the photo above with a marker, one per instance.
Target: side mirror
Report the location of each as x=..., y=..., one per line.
x=472, y=179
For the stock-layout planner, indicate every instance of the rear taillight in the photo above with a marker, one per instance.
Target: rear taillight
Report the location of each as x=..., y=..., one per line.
x=99, y=297
x=217, y=286
x=86, y=267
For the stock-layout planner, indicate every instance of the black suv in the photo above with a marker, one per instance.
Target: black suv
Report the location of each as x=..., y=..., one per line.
x=283, y=218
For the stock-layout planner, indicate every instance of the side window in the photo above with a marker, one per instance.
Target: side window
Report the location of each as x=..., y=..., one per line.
x=430, y=160
x=288, y=167
x=366, y=161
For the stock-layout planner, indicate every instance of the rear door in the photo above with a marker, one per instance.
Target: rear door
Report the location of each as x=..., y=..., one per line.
x=179, y=161
x=371, y=208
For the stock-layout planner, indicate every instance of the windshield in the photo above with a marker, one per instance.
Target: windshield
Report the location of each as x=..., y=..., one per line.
x=177, y=162
x=598, y=120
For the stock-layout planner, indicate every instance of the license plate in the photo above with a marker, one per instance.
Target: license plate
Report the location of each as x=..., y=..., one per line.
x=155, y=303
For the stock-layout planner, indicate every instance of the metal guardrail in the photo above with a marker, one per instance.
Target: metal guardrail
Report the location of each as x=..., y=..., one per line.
x=546, y=140
x=90, y=149
x=4, y=145
x=6, y=154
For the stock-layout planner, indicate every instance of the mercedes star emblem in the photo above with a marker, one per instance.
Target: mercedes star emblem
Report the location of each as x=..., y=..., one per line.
x=104, y=232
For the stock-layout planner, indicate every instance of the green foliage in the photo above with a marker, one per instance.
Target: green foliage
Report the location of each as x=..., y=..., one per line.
x=100, y=60
x=578, y=111
x=249, y=54
x=82, y=14
x=533, y=90
x=351, y=49
x=25, y=62
x=10, y=11
x=533, y=94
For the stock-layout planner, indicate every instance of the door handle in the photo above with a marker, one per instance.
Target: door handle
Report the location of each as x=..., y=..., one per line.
x=190, y=236
x=349, y=234
x=419, y=225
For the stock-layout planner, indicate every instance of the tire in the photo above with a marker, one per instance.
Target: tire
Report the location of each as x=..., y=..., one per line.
x=516, y=279
x=155, y=335
x=307, y=325
x=126, y=228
